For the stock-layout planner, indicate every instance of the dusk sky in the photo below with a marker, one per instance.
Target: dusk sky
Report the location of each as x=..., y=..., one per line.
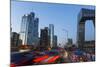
x=63, y=16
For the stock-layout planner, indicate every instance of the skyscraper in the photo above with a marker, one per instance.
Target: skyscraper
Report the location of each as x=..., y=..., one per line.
x=35, y=32
x=14, y=39
x=51, y=35
x=44, y=39
x=55, y=41
x=29, y=29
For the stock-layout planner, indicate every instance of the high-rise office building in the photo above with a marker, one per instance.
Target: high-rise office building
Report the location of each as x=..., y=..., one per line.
x=70, y=41
x=55, y=41
x=44, y=38
x=14, y=39
x=29, y=29
x=51, y=34
x=35, y=32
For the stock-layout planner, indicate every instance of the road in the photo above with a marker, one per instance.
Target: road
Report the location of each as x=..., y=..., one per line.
x=45, y=57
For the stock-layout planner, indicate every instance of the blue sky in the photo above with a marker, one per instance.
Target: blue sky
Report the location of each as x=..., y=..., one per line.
x=63, y=16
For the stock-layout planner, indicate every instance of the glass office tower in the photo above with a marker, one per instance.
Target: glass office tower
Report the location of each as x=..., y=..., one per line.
x=51, y=34
x=29, y=29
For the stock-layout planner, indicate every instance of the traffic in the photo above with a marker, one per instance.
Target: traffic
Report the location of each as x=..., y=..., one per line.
x=53, y=56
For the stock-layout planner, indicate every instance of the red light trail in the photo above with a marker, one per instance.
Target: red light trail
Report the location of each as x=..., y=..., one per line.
x=53, y=59
x=37, y=60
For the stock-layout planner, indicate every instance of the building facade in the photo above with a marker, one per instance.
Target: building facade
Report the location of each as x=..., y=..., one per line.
x=89, y=46
x=51, y=35
x=44, y=39
x=15, y=41
x=29, y=29
x=70, y=41
x=83, y=16
x=55, y=41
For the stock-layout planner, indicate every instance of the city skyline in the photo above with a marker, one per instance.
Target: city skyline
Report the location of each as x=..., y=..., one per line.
x=51, y=14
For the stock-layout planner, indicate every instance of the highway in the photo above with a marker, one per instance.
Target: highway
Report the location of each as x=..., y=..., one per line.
x=47, y=57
